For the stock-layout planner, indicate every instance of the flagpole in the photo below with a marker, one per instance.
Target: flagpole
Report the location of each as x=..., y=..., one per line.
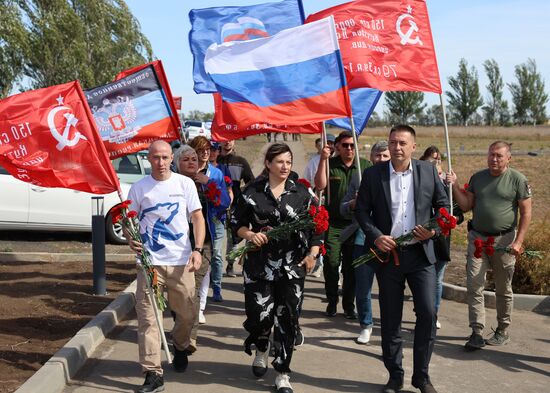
x=448, y=147
x=324, y=141
x=356, y=143
x=153, y=301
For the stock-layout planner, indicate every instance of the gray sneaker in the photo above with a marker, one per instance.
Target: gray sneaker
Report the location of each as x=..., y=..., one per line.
x=499, y=338
x=475, y=341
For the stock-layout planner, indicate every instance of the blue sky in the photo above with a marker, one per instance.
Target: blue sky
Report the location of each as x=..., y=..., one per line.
x=509, y=31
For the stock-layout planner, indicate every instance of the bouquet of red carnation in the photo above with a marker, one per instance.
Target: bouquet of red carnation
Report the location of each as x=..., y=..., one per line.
x=213, y=193
x=488, y=246
x=304, y=182
x=445, y=222
x=129, y=220
x=315, y=219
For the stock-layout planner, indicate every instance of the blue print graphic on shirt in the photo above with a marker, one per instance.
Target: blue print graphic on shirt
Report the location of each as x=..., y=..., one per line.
x=166, y=213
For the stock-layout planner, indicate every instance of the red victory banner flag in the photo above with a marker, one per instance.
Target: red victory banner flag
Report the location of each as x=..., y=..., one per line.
x=48, y=138
x=225, y=127
x=386, y=44
x=132, y=112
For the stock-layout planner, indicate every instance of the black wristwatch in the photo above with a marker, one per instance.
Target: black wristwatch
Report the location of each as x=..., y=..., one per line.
x=199, y=250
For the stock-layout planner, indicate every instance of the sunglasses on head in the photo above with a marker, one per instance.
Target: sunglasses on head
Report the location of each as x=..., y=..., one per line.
x=348, y=145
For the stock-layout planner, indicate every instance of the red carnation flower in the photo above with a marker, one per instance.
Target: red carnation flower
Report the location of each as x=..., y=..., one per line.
x=322, y=249
x=304, y=182
x=227, y=180
x=489, y=250
x=132, y=214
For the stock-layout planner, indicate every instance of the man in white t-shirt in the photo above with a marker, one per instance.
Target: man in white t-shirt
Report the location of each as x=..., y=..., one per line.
x=165, y=203
x=313, y=163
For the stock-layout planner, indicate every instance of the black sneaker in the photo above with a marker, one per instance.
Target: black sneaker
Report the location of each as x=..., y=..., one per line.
x=299, y=339
x=350, y=314
x=393, y=386
x=153, y=383
x=180, y=361
x=475, y=341
x=499, y=338
x=331, y=309
x=229, y=272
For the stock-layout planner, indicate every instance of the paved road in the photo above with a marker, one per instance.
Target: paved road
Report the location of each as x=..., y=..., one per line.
x=330, y=360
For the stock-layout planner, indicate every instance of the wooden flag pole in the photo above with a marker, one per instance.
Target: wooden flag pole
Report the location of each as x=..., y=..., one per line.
x=448, y=147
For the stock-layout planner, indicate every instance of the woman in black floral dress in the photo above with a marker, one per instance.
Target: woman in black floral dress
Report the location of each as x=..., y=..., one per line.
x=274, y=274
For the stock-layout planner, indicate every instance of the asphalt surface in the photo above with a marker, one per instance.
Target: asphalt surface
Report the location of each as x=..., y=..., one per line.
x=330, y=360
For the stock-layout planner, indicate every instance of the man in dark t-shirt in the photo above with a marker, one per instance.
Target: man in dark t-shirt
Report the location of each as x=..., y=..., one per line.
x=241, y=174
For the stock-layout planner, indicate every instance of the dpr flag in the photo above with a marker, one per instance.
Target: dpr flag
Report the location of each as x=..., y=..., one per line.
x=295, y=77
x=363, y=102
x=163, y=80
x=386, y=44
x=231, y=129
x=48, y=138
x=131, y=112
x=217, y=25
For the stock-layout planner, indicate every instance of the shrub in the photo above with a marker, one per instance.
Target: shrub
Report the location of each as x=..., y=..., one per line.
x=533, y=275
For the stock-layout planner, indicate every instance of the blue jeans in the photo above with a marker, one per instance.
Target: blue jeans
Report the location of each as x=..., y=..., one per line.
x=364, y=276
x=216, y=263
x=439, y=273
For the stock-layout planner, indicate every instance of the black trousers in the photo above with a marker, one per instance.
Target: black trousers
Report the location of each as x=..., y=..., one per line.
x=273, y=305
x=420, y=275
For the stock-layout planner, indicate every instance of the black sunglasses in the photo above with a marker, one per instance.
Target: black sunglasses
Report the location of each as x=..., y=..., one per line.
x=348, y=145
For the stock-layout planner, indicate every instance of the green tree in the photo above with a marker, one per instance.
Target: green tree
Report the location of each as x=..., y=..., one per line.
x=13, y=45
x=528, y=94
x=433, y=116
x=496, y=109
x=77, y=39
x=403, y=106
x=464, y=99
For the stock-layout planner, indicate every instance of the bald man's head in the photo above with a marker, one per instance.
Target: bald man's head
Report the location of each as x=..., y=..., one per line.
x=160, y=156
x=159, y=144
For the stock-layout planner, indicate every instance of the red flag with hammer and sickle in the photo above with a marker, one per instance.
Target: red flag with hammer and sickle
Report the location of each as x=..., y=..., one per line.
x=48, y=138
x=386, y=44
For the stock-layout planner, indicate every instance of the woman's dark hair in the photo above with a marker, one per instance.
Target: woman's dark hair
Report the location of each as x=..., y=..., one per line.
x=429, y=152
x=273, y=151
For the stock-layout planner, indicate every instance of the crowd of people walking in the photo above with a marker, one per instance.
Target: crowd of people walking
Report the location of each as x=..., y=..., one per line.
x=211, y=197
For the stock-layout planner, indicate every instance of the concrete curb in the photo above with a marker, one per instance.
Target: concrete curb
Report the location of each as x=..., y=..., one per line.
x=7, y=257
x=536, y=303
x=64, y=364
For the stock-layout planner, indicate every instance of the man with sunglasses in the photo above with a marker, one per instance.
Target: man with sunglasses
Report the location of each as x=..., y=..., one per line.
x=342, y=168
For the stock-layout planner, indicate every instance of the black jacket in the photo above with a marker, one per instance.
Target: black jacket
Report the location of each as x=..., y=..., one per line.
x=373, y=207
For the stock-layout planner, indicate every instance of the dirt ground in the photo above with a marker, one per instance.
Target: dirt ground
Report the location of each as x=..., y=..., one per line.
x=43, y=304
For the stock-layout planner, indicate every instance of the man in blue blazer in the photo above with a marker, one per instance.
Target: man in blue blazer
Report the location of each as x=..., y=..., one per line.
x=396, y=198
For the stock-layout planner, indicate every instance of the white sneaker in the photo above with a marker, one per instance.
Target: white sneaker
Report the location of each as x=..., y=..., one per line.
x=437, y=324
x=364, y=337
x=259, y=365
x=282, y=383
x=317, y=271
x=202, y=318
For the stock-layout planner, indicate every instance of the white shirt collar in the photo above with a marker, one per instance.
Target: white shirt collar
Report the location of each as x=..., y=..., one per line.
x=408, y=170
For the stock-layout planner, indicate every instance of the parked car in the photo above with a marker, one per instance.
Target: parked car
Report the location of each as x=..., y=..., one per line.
x=193, y=128
x=24, y=206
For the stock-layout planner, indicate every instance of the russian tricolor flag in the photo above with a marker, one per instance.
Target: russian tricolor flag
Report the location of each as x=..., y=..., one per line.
x=294, y=77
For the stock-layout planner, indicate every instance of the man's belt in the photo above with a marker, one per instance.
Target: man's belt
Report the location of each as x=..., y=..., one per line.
x=495, y=234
